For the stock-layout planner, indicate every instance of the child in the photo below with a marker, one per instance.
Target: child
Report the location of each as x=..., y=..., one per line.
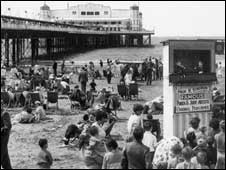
x=149, y=139
x=200, y=160
x=187, y=154
x=211, y=153
x=201, y=144
x=191, y=139
x=96, y=148
x=112, y=159
x=93, y=85
x=45, y=159
x=175, y=156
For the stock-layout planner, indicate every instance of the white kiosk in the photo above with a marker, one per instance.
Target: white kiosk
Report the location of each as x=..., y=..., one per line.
x=189, y=72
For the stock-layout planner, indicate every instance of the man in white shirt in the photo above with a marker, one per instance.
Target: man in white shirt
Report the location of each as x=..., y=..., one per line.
x=149, y=139
x=135, y=119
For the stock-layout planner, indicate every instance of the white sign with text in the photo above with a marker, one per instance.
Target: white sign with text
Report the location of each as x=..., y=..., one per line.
x=193, y=98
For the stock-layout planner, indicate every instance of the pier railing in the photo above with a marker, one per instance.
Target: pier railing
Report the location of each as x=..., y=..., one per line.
x=17, y=23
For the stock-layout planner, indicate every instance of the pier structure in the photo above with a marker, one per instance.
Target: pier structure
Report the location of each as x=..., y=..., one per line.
x=25, y=39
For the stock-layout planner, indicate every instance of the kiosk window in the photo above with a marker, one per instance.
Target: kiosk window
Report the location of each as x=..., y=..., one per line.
x=192, y=61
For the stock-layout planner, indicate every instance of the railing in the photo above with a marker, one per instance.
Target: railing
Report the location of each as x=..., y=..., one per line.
x=9, y=22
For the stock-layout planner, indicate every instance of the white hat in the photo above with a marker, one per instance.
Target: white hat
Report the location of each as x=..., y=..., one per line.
x=37, y=102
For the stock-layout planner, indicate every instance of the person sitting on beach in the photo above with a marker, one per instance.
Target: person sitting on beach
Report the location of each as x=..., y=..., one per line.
x=40, y=113
x=65, y=86
x=85, y=123
x=25, y=116
x=112, y=159
x=101, y=97
x=78, y=96
x=45, y=159
x=40, y=92
x=72, y=132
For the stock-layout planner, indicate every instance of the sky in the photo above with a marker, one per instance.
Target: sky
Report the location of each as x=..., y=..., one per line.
x=167, y=18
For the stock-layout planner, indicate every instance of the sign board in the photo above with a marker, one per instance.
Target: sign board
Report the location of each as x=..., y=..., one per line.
x=193, y=99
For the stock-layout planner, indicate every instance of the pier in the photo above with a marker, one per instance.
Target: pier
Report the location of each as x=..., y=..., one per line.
x=29, y=39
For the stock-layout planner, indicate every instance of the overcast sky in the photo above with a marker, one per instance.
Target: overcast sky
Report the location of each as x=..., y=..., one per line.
x=170, y=18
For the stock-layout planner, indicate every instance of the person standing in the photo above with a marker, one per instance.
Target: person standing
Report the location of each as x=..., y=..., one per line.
x=5, y=132
x=55, y=68
x=149, y=73
x=220, y=144
x=109, y=75
x=136, y=155
x=63, y=67
x=83, y=79
x=101, y=63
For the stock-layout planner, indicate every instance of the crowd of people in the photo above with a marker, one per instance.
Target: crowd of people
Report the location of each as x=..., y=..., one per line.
x=143, y=147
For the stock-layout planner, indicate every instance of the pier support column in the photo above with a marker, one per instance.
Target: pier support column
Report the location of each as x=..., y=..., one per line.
x=34, y=50
x=13, y=52
x=149, y=37
x=18, y=44
x=7, y=49
x=48, y=48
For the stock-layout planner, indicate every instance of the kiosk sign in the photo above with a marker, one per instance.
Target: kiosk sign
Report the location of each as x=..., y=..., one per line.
x=193, y=99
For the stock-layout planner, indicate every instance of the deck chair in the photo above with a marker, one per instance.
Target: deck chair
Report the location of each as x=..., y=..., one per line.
x=133, y=90
x=52, y=97
x=122, y=90
x=5, y=98
x=74, y=103
x=34, y=97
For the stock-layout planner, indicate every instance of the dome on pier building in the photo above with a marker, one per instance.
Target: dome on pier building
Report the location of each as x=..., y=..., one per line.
x=45, y=13
x=45, y=7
